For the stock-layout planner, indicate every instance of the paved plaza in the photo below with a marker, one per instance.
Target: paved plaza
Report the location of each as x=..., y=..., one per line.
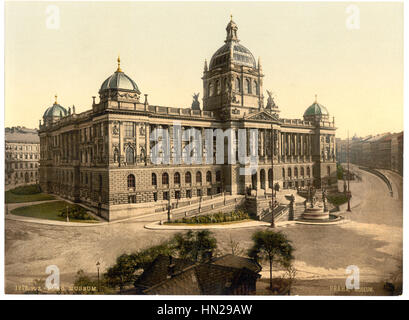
x=371, y=240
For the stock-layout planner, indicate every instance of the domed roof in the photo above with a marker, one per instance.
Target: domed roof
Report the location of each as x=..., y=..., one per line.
x=119, y=80
x=232, y=51
x=55, y=110
x=316, y=109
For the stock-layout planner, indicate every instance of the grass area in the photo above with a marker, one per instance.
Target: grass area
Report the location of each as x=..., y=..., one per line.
x=27, y=193
x=11, y=197
x=49, y=211
x=337, y=198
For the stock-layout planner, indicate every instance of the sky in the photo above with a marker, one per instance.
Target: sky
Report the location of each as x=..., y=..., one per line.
x=352, y=60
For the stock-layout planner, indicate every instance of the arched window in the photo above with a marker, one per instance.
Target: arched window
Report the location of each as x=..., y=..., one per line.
x=283, y=173
x=289, y=172
x=211, y=89
x=218, y=176
x=165, y=178
x=217, y=87
x=270, y=178
x=238, y=85
x=296, y=172
x=131, y=181
x=129, y=155
x=198, y=177
x=188, y=177
x=308, y=171
x=100, y=182
x=176, y=178
x=248, y=86
x=208, y=176
x=154, y=180
x=225, y=85
x=302, y=172
x=255, y=85
x=116, y=155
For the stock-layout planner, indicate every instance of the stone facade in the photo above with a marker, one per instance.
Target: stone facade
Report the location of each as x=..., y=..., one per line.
x=102, y=157
x=22, y=156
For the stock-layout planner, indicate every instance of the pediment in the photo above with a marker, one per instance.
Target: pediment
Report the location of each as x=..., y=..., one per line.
x=262, y=116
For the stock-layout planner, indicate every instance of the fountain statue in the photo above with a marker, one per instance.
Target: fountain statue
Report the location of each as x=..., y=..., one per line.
x=315, y=210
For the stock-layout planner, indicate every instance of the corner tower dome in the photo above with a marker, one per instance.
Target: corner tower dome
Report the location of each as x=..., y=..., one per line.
x=119, y=81
x=316, y=111
x=54, y=113
x=232, y=52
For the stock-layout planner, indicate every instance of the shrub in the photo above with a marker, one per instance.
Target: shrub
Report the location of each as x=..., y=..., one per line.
x=219, y=217
x=75, y=212
x=26, y=190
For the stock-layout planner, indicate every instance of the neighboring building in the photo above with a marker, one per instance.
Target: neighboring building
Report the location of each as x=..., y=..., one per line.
x=382, y=151
x=226, y=275
x=102, y=157
x=22, y=156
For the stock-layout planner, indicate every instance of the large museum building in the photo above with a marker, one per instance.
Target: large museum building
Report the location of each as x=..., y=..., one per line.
x=101, y=157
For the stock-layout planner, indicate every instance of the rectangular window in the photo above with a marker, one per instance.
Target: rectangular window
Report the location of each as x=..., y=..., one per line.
x=165, y=195
x=188, y=193
x=209, y=191
x=129, y=129
x=177, y=194
x=199, y=192
x=155, y=196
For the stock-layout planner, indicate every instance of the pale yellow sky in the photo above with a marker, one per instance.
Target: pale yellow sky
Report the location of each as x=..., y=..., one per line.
x=305, y=49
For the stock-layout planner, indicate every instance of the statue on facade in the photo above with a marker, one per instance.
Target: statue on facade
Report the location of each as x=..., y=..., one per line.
x=270, y=100
x=196, y=103
x=324, y=199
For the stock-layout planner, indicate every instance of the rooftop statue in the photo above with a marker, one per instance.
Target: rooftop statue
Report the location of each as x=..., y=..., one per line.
x=196, y=103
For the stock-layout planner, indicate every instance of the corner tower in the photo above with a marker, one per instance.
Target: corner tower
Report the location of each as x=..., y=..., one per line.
x=233, y=82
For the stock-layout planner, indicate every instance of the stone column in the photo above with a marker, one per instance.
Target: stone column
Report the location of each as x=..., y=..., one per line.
x=137, y=153
x=147, y=142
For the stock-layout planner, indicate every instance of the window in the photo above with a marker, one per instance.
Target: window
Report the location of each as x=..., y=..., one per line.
x=208, y=176
x=218, y=176
x=308, y=171
x=166, y=195
x=328, y=171
x=283, y=173
x=129, y=129
x=129, y=155
x=176, y=178
x=248, y=86
x=177, y=194
x=188, y=193
x=296, y=172
x=155, y=196
x=302, y=172
x=289, y=172
x=255, y=85
x=217, y=87
x=211, y=89
x=154, y=180
x=198, y=177
x=100, y=182
x=165, y=178
x=209, y=191
x=131, y=181
x=238, y=85
x=188, y=177
x=199, y=192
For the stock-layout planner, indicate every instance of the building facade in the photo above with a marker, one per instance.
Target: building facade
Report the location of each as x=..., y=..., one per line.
x=382, y=151
x=22, y=156
x=102, y=157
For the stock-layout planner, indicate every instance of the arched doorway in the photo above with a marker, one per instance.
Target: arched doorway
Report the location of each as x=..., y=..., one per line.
x=254, y=181
x=263, y=179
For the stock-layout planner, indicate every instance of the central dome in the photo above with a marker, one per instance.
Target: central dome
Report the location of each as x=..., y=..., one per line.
x=119, y=80
x=232, y=51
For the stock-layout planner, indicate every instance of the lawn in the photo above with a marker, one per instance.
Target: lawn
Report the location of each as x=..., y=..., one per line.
x=49, y=211
x=11, y=197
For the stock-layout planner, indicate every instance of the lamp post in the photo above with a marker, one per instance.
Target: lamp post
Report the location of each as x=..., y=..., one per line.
x=169, y=206
x=98, y=264
x=349, y=195
x=66, y=210
x=272, y=177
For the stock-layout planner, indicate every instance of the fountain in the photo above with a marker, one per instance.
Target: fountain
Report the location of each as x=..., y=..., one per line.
x=315, y=210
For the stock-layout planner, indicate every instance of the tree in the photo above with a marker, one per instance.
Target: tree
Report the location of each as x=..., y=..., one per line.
x=83, y=284
x=274, y=247
x=236, y=249
x=198, y=246
x=123, y=272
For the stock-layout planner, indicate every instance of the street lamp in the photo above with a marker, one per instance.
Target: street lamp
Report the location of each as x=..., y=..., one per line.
x=169, y=207
x=349, y=195
x=98, y=264
x=272, y=177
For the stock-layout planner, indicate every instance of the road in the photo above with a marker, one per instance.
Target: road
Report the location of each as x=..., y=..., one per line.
x=371, y=240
